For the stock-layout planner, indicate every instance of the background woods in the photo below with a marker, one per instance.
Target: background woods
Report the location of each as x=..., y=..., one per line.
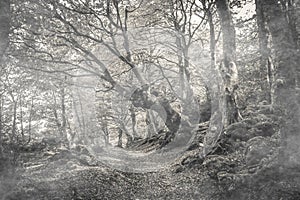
x=202, y=84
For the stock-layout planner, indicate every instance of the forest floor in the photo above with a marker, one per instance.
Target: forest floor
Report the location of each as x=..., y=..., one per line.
x=70, y=176
x=243, y=166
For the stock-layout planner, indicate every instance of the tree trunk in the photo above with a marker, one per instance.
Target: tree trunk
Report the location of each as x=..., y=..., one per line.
x=266, y=67
x=133, y=121
x=286, y=57
x=228, y=69
x=104, y=128
x=4, y=32
x=125, y=131
x=30, y=120
x=212, y=37
x=180, y=65
x=57, y=121
x=4, y=25
x=141, y=98
x=295, y=13
x=120, y=133
x=151, y=125
x=63, y=112
x=14, y=123
x=216, y=98
x=210, y=94
x=1, y=126
x=21, y=118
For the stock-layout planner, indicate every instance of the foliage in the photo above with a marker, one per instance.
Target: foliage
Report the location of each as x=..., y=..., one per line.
x=151, y=77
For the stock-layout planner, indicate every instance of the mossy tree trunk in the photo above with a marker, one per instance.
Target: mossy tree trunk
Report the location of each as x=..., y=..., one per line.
x=228, y=66
x=4, y=33
x=286, y=55
x=266, y=65
x=4, y=25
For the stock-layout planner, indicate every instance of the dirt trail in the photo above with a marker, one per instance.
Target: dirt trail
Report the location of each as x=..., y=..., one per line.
x=140, y=162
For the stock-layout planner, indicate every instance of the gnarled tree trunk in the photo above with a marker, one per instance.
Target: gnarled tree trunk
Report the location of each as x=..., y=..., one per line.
x=228, y=67
x=141, y=98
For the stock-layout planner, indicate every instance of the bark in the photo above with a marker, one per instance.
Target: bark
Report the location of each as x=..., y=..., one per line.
x=212, y=38
x=148, y=125
x=295, y=13
x=229, y=45
x=4, y=25
x=210, y=94
x=125, y=131
x=181, y=67
x=297, y=21
x=1, y=126
x=141, y=98
x=133, y=121
x=215, y=97
x=106, y=134
x=21, y=118
x=286, y=57
x=63, y=112
x=14, y=123
x=78, y=120
x=4, y=33
x=229, y=70
x=57, y=121
x=104, y=129
x=151, y=125
x=291, y=11
x=120, y=133
x=30, y=120
x=83, y=123
x=266, y=67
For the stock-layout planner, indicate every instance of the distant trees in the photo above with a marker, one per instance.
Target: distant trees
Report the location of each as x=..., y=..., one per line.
x=97, y=39
x=148, y=62
x=87, y=38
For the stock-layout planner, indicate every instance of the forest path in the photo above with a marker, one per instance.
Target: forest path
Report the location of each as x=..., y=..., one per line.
x=95, y=172
x=141, y=176
x=138, y=161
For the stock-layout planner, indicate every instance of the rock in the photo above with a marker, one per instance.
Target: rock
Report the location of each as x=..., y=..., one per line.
x=239, y=131
x=178, y=168
x=81, y=149
x=257, y=149
x=264, y=129
x=215, y=164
